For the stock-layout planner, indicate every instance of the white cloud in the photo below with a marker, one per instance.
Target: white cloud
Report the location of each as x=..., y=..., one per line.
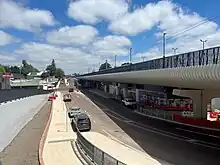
x=75, y=59
x=6, y=57
x=175, y=21
x=93, y=11
x=81, y=35
x=152, y=53
x=6, y=38
x=142, y=19
x=70, y=59
x=93, y=49
x=17, y=16
x=9, y=59
x=112, y=45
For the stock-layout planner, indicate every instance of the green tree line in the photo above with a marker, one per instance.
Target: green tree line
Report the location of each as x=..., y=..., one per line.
x=26, y=68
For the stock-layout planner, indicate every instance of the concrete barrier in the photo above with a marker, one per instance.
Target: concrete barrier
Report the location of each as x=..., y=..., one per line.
x=16, y=114
x=7, y=95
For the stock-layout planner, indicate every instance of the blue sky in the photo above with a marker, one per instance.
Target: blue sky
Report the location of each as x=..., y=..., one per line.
x=81, y=34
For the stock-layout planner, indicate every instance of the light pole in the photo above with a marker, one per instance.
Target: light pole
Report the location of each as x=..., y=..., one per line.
x=130, y=55
x=164, y=47
x=174, y=51
x=203, y=44
x=99, y=66
x=20, y=75
x=94, y=68
x=115, y=61
x=143, y=58
x=106, y=64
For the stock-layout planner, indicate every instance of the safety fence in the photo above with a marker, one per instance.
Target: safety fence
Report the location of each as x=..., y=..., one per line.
x=93, y=154
x=195, y=58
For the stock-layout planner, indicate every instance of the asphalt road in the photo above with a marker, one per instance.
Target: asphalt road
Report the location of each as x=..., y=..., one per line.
x=23, y=150
x=100, y=121
x=160, y=139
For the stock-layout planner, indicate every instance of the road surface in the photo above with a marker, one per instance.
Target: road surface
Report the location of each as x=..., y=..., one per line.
x=153, y=136
x=23, y=150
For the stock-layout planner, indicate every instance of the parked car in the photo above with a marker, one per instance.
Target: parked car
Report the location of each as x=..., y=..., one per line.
x=83, y=122
x=67, y=98
x=129, y=102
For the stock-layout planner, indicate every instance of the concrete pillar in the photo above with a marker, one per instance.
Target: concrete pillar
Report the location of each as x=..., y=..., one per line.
x=106, y=88
x=6, y=83
x=97, y=85
x=117, y=92
x=125, y=92
x=200, y=98
x=137, y=95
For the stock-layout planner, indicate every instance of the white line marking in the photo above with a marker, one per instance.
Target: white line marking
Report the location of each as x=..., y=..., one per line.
x=197, y=133
x=168, y=134
x=204, y=145
x=94, y=121
x=144, y=126
x=117, y=140
x=192, y=140
x=149, y=130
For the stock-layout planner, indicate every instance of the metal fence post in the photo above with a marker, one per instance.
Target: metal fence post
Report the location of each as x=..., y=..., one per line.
x=103, y=158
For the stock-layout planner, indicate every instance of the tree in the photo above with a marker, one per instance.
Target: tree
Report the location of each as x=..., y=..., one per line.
x=75, y=74
x=52, y=68
x=7, y=68
x=2, y=69
x=27, y=68
x=59, y=73
x=104, y=66
x=45, y=75
x=126, y=63
x=14, y=69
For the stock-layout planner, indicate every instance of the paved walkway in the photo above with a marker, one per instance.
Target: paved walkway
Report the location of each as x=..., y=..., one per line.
x=123, y=153
x=57, y=148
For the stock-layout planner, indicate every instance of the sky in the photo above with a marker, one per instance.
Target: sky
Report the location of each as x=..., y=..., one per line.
x=81, y=34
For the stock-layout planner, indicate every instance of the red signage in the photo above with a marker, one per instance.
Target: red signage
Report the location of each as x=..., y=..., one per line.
x=7, y=75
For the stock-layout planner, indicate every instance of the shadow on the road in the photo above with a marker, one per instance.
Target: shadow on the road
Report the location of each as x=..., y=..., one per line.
x=156, y=145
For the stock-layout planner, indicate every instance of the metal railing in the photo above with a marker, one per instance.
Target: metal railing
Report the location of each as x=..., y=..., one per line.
x=96, y=155
x=147, y=110
x=196, y=58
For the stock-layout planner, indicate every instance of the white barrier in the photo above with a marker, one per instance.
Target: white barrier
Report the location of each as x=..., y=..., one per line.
x=15, y=115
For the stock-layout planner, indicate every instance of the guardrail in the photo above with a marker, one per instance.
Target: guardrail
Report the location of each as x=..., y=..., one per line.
x=93, y=153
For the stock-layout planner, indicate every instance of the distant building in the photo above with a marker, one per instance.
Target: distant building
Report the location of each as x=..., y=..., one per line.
x=18, y=76
x=34, y=75
x=5, y=80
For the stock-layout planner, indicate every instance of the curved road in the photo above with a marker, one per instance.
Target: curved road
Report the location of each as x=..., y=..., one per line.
x=159, y=139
